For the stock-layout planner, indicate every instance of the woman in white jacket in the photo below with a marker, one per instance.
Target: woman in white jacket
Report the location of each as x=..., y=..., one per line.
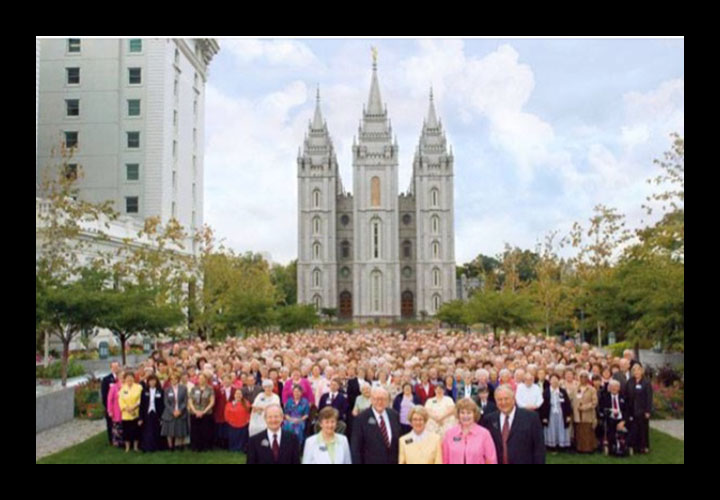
x=327, y=446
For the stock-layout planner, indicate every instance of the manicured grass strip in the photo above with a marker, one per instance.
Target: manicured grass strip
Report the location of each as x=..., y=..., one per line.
x=664, y=450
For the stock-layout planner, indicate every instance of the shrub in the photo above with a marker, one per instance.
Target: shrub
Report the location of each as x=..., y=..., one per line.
x=668, y=402
x=54, y=370
x=87, y=400
x=84, y=355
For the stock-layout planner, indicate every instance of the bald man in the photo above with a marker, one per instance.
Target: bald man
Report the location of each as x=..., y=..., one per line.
x=376, y=432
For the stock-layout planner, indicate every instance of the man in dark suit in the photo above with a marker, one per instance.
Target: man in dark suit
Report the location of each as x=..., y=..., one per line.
x=376, y=432
x=518, y=433
x=353, y=392
x=623, y=375
x=336, y=399
x=107, y=381
x=273, y=445
x=615, y=411
x=485, y=404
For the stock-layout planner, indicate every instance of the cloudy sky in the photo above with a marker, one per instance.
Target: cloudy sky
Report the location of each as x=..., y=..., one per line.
x=542, y=129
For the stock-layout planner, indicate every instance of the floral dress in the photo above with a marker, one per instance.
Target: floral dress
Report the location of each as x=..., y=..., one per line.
x=296, y=410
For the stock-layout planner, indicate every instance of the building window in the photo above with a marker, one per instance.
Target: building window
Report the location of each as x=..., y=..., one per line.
x=345, y=249
x=407, y=272
x=175, y=118
x=436, y=250
x=376, y=238
x=174, y=149
x=175, y=87
x=434, y=197
x=193, y=192
x=73, y=45
x=407, y=219
x=435, y=223
x=135, y=75
x=436, y=302
x=132, y=171
x=133, y=140
x=345, y=220
x=71, y=171
x=131, y=204
x=177, y=57
x=194, y=138
x=316, y=278
x=316, y=198
x=317, y=301
x=195, y=107
x=133, y=107
x=196, y=80
x=136, y=45
x=407, y=249
x=436, y=277
x=316, y=225
x=376, y=299
x=71, y=139
x=316, y=251
x=174, y=179
x=193, y=218
x=172, y=210
x=375, y=192
x=73, y=107
x=73, y=76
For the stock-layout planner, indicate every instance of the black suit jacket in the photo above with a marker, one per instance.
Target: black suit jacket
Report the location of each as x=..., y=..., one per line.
x=489, y=407
x=353, y=391
x=368, y=445
x=262, y=454
x=526, y=442
x=640, y=400
x=145, y=403
x=340, y=403
x=606, y=406
x=565, y=404
x=107, y=381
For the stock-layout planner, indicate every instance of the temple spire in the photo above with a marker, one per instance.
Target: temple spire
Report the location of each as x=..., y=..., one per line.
x=317, y=123
x=432, y=121
x=375, y=106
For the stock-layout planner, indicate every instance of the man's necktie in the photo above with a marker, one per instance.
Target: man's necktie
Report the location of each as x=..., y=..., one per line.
x=384, y=432
x=505, y=435
x=275, y=448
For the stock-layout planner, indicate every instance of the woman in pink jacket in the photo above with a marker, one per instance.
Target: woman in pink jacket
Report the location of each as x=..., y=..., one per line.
x=295, y=379
x=467, y=442
x=114, y=412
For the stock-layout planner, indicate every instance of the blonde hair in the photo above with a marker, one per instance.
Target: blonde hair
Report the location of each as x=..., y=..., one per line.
x=469, y=405
x=420, y=410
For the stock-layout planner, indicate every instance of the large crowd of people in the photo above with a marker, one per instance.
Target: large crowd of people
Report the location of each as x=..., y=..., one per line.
x=381, y=396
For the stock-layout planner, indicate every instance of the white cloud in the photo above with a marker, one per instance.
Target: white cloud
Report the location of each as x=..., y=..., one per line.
x=273, y=52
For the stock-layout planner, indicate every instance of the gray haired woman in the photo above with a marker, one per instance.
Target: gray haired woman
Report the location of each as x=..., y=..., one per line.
x=262, y=401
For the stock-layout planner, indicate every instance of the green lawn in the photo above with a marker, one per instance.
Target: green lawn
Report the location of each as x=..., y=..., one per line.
x=665, y=450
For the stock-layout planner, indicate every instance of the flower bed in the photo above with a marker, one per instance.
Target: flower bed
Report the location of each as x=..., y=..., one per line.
x=87, y=401
x=668, y=402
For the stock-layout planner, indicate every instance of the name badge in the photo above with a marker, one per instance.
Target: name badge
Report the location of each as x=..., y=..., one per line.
x=457, y=439
x=638, y=386
x=408, y=441
x=157, y=396
x=561, y=400
x=323, y=448
x=265, y=443
x=372, y=421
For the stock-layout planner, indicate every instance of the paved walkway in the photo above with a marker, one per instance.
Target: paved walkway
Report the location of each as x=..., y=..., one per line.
x=66, y=435
x=676, y=428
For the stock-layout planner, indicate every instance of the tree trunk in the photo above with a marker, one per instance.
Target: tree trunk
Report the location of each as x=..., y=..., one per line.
x=46, y=358
x=122, y=348
x=599, y=329
x=637, y=350
x=64, y=363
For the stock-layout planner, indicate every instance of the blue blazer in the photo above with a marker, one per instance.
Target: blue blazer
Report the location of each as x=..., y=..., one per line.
x=340, y=403
x=398, y=400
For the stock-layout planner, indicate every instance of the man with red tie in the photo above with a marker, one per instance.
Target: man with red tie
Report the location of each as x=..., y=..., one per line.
x=615, y=410
x=518, y=433
x=376, y=432
x=274, y=446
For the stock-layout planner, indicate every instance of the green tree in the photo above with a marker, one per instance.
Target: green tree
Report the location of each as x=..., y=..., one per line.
x=285, y=280
x=552, y=296
x=296, y=317
x=453, y=313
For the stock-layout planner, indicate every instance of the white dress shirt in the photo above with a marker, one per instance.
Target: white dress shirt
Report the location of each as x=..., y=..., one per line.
x=511, y=417
x=387, y=422
x=152, y=400
x=528, y=396
x=616, y=398
x=270, y=434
